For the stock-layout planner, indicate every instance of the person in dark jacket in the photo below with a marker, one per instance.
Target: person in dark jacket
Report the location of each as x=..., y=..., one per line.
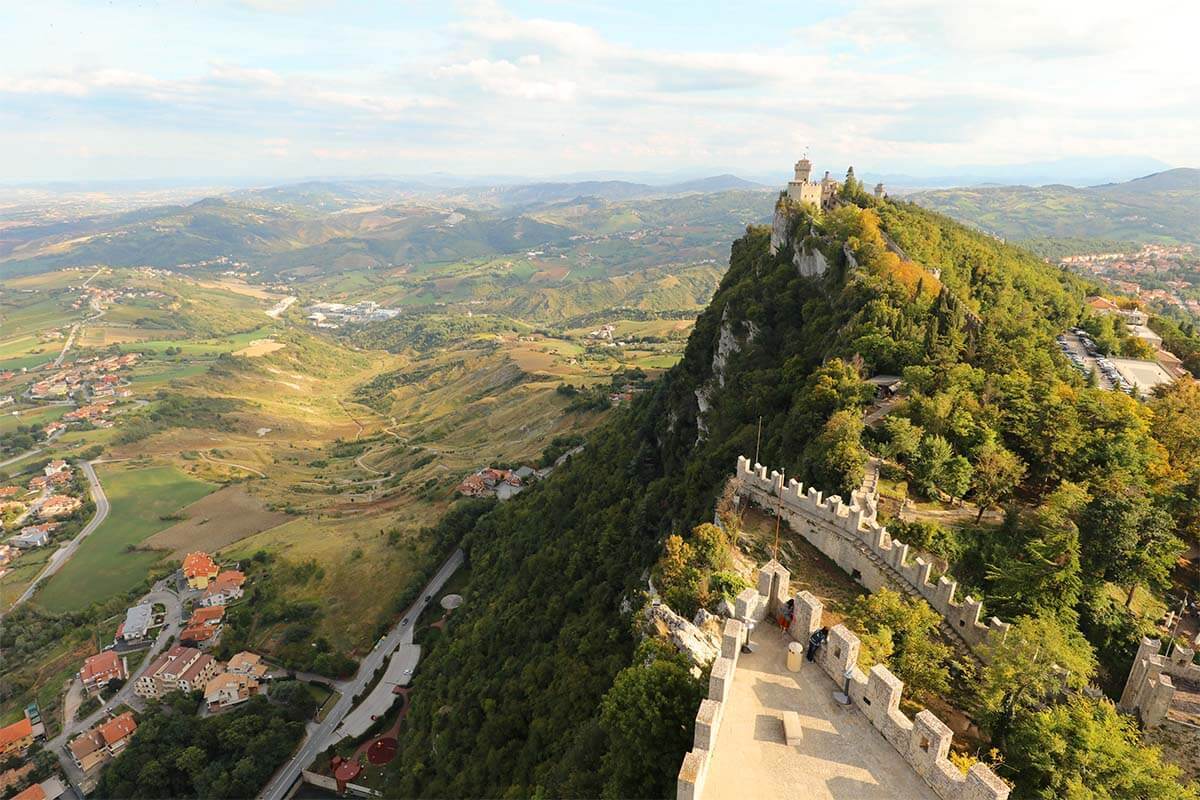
x=815, y=641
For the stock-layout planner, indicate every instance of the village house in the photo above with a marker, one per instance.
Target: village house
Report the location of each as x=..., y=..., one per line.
x=35, y=535
x=9, y=491
x=50, y=789
x=59, y=505
x=224, y=589
x=1102, y=305
x=16, y=738
x=199, y=569
x=229, y=689
x=55, y=466
x=137, y=623
x=103, y=742
x=182, y=668
x=101, y=668
x=200, y=635
x=247, y=663
x=208, y=615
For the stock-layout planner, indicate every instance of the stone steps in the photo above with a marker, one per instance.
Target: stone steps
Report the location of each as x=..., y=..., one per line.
x=897, y=581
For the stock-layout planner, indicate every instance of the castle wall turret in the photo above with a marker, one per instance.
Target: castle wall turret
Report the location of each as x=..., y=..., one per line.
x=1150, y=687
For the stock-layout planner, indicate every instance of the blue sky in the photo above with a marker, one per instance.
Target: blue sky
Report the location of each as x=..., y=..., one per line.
x=285, y=88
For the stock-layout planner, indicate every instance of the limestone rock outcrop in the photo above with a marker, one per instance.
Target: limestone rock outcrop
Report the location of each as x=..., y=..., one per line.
x=700, y=646
x=809, y=261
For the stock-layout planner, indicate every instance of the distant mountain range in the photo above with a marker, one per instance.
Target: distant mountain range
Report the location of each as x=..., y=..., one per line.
x=1162, y=207
x=332, y=225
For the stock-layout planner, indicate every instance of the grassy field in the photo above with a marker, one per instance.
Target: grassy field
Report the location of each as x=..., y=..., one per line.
x=31, y=416
x=102, y=566
x=215, y=521
x=21, y=573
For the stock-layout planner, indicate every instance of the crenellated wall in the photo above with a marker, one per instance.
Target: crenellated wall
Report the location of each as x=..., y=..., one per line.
x=1149, y=689
x=694, y=770
x=923, y=742
x=851, y=537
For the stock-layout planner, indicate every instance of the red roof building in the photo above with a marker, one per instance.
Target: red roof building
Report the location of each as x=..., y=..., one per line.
x=101, y=668
x=199, y=569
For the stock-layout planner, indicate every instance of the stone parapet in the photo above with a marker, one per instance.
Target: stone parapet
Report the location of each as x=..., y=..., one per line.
x=864, y=548
x=924, y=741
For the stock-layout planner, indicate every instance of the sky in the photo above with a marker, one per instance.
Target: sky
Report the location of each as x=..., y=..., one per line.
x=287, y=88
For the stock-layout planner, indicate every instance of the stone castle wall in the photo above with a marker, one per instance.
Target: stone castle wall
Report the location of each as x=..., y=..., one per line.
x=1149, y=689
x=924, y=741
x=856, y=542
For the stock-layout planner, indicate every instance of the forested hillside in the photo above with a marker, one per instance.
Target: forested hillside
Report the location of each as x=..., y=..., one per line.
x=1161, y=208
x=538, y=691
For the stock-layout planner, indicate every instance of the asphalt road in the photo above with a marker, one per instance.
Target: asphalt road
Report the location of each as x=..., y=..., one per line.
x=63, y=554
x=320, y=735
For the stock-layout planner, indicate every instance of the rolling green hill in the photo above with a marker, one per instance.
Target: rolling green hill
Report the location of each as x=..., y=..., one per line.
x=1164, y=207
x=303, y=231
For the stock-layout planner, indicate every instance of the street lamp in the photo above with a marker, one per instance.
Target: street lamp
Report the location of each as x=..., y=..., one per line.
x=843, y=697
x=747, y=648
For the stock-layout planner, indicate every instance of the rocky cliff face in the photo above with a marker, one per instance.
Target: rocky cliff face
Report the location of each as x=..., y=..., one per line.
x=699, y=645
x=808, y=260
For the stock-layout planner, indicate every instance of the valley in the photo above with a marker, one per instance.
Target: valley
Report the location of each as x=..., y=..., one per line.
x=243, y=430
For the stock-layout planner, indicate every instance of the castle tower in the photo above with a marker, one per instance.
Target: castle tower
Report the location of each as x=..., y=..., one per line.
x=879, y=191
x=803, y=170
x=803, y=190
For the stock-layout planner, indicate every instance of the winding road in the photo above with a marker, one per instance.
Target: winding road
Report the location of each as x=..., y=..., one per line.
x=398, y=642
x=64, y=553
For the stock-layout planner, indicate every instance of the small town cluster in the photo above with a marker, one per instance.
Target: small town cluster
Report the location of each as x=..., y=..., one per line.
x=499, y=483
x=168, y=663
x=37, y=511
x=86, y=379
x=95, y=296
x=1153, y=274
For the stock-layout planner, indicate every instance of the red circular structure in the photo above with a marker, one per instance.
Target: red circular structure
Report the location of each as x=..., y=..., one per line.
x=382, y=750
x=347, y=771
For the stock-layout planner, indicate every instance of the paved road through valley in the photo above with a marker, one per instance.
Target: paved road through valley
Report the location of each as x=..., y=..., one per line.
x=64, y=553
x=320, y=734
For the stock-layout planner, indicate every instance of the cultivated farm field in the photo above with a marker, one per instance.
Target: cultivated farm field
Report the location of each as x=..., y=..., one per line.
x=104, y=565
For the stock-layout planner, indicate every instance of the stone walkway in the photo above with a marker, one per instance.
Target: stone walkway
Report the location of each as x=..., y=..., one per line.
x=841, y=756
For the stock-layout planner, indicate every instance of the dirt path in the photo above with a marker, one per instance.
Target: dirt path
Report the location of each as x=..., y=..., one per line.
x=211, y=460
x=353, y=419
x=72, y=701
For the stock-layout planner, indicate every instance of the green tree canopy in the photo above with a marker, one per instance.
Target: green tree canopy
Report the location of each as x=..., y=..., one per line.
x=1084, y=750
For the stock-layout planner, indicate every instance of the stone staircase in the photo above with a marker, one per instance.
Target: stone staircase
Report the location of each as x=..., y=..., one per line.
x=897, y=582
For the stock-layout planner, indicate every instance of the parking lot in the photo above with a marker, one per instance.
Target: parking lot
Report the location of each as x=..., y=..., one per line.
x=1081, y=351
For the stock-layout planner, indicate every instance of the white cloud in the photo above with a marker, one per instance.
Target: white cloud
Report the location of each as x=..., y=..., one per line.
x=887, y=83
x=510, y=80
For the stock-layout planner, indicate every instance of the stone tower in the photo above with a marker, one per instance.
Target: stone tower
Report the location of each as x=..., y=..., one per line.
x=803, y=170
x=801, y=189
